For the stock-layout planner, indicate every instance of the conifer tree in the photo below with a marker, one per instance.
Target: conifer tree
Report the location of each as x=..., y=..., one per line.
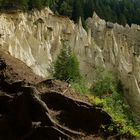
x=14, y=4
x=66, y=67
x=77, y=10
x=38, y=4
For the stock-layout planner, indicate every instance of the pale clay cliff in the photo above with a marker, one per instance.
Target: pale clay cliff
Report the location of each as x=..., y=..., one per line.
x=37, y=37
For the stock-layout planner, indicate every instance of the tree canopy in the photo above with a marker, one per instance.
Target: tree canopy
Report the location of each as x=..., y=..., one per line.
x=121, y=11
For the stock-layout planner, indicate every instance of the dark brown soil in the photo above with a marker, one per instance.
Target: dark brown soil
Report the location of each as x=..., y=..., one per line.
x=62, y=87
x=16, y=70
x=32, y=108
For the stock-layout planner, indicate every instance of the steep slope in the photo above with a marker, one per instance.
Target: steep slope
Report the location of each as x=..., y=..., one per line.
x=16, y=70
x=36, y=38
x=50, y=109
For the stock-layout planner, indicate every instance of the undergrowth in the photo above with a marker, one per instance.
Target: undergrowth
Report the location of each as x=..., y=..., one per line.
x=80, y=87
x=123, y=121
x=108, y=93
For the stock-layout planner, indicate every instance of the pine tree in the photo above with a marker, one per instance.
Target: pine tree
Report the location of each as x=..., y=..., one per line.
x=65, y=9
x=66, y=67
x=77, y=10
x=14, y=4
x=38, y=4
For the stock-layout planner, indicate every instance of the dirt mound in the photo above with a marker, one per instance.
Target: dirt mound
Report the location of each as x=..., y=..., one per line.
x=14, y=70
x=32, y=109
x=61, y=87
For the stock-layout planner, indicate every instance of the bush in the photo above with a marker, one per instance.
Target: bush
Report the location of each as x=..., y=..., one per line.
x=109, y=89
x=80, y=87
x=104, y=84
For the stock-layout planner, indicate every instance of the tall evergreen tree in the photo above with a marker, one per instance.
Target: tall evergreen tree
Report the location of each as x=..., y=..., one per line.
x=121, y=11
x=14, y=4
x=65, y=9
x=66, y=67
x=77, y=10
x=38, y=4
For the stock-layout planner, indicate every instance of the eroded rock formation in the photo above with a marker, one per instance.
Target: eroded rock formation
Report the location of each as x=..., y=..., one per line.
x=36, y=38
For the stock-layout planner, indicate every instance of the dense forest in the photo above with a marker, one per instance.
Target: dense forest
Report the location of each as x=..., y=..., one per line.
x=121, y=11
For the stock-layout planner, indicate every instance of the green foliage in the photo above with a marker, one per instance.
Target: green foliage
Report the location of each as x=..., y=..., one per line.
x=80, y=87
x=104, y=83
x=121, y=11
x=66, y=9
x=38, y=4
x=66, y=67
x=77, y=10
x=109, y=89
x=14, y=4
x=124, y=124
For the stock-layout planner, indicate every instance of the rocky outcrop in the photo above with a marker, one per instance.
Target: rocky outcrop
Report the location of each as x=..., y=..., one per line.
x=119, y=48
x=36, y=38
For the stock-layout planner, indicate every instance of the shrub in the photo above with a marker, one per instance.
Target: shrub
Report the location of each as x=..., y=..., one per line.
x=109, y=89
x=80, y=87
x=104, y=84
